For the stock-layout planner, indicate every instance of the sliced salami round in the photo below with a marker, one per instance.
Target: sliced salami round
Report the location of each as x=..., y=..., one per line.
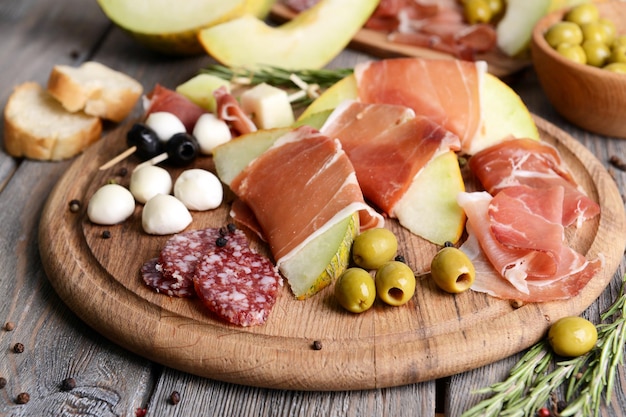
x=236, y=283
x=153, y=277
x=181, y=254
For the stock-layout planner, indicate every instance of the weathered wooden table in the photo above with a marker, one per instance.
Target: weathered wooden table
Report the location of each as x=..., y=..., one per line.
x=111, y=381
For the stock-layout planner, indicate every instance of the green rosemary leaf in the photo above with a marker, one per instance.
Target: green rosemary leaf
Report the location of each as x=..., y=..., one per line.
x=278, y=76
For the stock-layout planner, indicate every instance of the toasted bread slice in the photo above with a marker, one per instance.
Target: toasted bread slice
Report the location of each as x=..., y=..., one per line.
x=37, y=126
x=95, y=89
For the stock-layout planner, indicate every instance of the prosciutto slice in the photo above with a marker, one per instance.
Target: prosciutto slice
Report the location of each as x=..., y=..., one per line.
x=299, y=188
x=516, y=242
x=445, y=91
x=229, y=111
x=388, y=146
x=162, y=99
x=533, y=163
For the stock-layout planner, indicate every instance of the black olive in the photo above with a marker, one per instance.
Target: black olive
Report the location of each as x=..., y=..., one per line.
x=145, y=139
x=182, y=149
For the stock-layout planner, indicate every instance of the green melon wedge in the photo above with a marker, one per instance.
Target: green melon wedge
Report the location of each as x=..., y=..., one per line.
x=200, y=88
x=324, y=258
x=310, y=40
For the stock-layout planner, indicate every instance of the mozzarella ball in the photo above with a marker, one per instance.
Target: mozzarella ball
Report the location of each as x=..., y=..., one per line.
x=199, y=189
x=148, y=181
x=164, y=214
x=110, y=204
x=165, y=125
x=210, y=132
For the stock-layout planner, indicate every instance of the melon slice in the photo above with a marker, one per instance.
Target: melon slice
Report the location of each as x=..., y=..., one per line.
x=324, y=258
x=310, y=40
x=200, y=88
x=429, y=208
x=172, y=26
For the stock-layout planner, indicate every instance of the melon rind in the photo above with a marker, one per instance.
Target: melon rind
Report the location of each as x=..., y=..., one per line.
x=321, y=261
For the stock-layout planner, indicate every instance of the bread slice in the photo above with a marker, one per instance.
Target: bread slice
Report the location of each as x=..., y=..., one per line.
x=95, y=89
x=36, y=126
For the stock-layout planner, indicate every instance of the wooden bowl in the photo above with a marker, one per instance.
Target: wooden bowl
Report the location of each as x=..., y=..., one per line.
x=589, y=97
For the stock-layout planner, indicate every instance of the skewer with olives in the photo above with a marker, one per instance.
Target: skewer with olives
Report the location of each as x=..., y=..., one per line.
x=181, y=149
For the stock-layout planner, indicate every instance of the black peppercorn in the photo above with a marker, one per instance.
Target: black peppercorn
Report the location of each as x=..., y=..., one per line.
x=400, y=258
x=221, y=242
x=175, y=397
x=22, y=398
x=68, y=384
x=3, y=382
x=232, y=227
x=18, y=348
x=106, y=234
x=317, y=345
x=74, y=206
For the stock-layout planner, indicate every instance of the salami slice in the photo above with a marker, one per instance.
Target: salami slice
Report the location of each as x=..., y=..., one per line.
x=153, y=277
x=181, y=254
x=236, y=283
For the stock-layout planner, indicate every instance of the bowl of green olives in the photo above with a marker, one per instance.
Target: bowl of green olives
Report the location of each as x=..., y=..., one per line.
x=579, y=55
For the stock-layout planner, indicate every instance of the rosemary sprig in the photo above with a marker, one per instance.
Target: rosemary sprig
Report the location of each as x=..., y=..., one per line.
x=588, y=378
x=280, y=77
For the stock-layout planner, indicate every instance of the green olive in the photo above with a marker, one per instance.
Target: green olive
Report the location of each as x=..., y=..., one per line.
x=597, y=53
x=618, y=54
x=618, y=67
x=395, y=283
x=477, y=11
x=564, y=32
x=619, y=41
x=583, y=13
x=452, y=270
x=574, y=53
x=374, y=247
x=496, y=6
x=610, y=29
x=355, y=290
x=572, y=336
x=595, y=31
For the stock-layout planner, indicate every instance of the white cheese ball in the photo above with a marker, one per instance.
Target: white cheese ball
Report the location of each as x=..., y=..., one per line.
x=164, y=214
x=165, y=125
x=199, y=189
x=210, y=132
x=148, y=181
x=110, y=204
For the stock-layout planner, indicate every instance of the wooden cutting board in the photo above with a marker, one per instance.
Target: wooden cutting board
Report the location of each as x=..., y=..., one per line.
x=434, y=335
x=375, y=43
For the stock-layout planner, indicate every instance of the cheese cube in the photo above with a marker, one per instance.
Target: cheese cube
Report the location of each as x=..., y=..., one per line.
x=268, y=105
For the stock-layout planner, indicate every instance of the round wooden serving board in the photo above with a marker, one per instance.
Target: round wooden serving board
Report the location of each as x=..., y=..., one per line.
x=434, y=335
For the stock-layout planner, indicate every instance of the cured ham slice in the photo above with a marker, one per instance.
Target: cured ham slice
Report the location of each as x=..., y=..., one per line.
x=229, y=110
x=388, y=146
x=313, y=187
x=446, y=91
x=516, y=242
x=162, y=99
x=536, y=164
